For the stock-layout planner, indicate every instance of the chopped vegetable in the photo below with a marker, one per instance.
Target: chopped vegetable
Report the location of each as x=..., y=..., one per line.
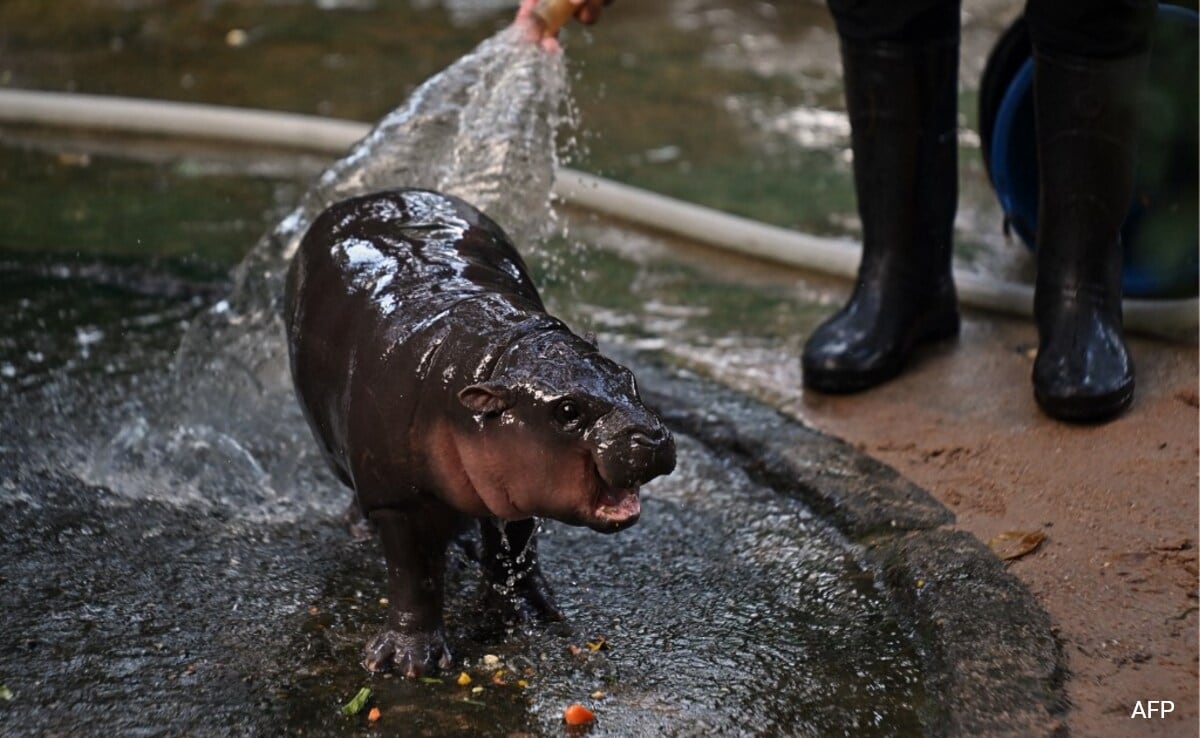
x=577, y=714
x=373, y=715
x=574, y=650
x=355, y=706
x=463, y=679
x=490, y=659
x=6, y=694
x=522, y=683
x=430, y=680
x=597, y=644
x=598, y=695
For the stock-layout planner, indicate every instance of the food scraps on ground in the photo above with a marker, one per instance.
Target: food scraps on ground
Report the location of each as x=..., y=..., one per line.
x=355, y=706
x=373, y=715
x=598, y=644
x=577, y=714
x=463, y=679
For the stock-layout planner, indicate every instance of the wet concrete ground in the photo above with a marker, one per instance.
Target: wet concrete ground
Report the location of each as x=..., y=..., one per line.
x=730, y=609
x=1117, y=573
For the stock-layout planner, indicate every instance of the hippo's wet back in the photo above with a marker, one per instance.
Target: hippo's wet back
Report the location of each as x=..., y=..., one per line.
x=439, y=389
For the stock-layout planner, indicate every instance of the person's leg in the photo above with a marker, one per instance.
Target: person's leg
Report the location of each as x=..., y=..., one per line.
x=900, y=64
x=1089, y=65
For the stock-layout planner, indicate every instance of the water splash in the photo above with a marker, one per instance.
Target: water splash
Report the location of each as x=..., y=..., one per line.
x=483, y=129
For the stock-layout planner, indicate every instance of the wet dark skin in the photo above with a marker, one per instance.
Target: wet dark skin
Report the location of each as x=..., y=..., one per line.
x=441, y=391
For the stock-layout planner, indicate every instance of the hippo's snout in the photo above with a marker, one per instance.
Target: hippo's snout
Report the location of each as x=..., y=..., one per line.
x=636, y=454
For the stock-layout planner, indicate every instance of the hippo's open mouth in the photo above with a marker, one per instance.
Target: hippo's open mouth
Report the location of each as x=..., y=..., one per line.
x=614, y=508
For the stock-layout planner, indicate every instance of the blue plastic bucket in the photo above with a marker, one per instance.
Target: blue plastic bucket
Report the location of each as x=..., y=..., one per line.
x=1160, y=235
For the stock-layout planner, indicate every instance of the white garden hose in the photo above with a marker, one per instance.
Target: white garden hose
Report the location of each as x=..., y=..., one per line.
x=1174, y=319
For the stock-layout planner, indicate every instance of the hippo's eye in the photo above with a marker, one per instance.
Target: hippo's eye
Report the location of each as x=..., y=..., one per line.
x=568, y=414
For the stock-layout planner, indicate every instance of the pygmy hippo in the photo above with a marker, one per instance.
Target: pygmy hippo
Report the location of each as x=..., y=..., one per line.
x=440, y=390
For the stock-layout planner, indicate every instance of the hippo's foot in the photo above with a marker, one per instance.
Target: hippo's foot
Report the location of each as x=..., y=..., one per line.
x=357, y=525
x=526, y=600
x=411, y=654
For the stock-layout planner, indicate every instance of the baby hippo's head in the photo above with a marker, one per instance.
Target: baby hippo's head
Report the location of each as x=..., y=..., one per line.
x=568, y=436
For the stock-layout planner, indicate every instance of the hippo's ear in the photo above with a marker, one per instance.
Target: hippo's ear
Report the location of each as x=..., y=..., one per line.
x=488, y=398
x=590, y=337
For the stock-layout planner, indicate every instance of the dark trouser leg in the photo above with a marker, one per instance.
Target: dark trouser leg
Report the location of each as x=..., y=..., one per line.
x=901, y=73
x=1086, y=102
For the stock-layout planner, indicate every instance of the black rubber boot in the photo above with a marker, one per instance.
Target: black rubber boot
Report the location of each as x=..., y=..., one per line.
x=902, y=102
x=1086, y=121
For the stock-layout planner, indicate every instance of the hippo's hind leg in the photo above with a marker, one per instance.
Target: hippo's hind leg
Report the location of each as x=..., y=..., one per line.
x=513, y=580
x=414, y=641
x=357, y=524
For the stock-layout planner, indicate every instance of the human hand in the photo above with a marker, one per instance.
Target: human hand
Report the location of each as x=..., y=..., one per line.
x=541, y=19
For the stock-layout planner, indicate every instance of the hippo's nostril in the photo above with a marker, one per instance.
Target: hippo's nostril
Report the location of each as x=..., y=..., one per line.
x=650, y=438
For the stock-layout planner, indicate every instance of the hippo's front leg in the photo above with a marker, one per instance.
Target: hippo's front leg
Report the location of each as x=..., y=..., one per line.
x=512, y=577
x=414, y=641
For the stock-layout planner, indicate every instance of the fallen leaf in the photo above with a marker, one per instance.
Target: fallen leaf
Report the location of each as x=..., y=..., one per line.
x=1014, y=544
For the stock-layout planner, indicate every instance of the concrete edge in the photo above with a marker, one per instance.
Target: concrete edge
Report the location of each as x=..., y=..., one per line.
x=993, y=665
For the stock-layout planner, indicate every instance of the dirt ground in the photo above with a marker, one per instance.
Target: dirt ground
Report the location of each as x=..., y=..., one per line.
x=1117, y=503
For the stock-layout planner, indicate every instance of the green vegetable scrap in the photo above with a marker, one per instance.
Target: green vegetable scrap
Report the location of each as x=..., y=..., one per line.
x=6, y=694
x=355, y=706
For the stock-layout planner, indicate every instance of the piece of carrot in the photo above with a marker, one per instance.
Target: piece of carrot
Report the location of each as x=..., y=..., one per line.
x=373, y=715
x=577, y=714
